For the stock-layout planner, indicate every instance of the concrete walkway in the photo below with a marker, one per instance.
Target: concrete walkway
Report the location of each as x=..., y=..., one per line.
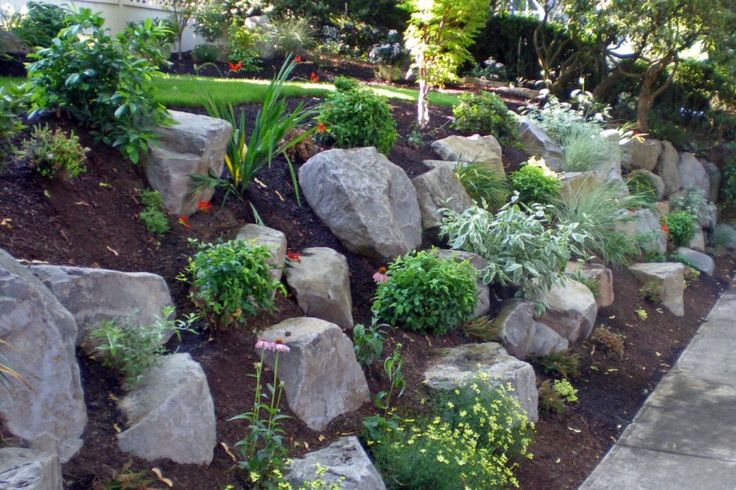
x=684, y=437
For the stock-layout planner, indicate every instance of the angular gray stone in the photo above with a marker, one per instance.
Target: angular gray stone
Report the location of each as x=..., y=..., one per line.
x=273, y=240
x=601, y=275
x=93, y=295
x=321, y=281
x=670, y=276
x=456, y=366
x=662, y=208
x=611, y=170
x=345, y=462
x=714, y=175
x=367, y=202
x=483, y=296
x=646, y=229
x=571, y=310
x=573, y=182
x=698, y=240
x=536, y=143
x=193, y=144
x=468, y=149
x=693, y=173
x=640, y=154
x=39, y=337
x=522, y=336
x=439, y=188
x=668, y=168
x=702, y=262
x=29, y=469
x=656, y=182
x=170, y=414
x=322, y=378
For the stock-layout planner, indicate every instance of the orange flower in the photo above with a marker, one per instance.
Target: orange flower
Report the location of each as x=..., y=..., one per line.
x=298, y=59
x=321, y=127
x=235, y=67
x=184, y=221
x=204, y=206
x=294, y=256
x=665, y=229
x=313, y=77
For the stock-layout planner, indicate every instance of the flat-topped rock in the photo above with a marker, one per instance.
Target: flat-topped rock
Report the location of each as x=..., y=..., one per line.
x=273, y=240
x=321, y=282
x=571, y=310
x=638, y=153
x=476, y=148
x=437, y=189
x=670, y=277
x=704, y=263
x=522, y=336
x=600, y=275
x=483, y=301
x=29, y=469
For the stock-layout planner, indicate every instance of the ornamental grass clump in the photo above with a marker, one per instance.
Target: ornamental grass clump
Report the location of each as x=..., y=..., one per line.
x=425, y=293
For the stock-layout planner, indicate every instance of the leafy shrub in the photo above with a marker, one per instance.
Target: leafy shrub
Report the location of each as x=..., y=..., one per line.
x=368, y=343
x=482, y=329
x=41, y=24
x=565, y=364
x=346, y=84
x=232, y=281
x=153, y=215
x=205, y=53
x=241, y=46
x=133, y=349
x=651, y=291
x=291, y=35
x=483, y=184
x=609, y=340
x=149, y=40
x=728, y=185
x=681, y=225
x=640, y=184
x=566, y=390
x=426, y=293
x=693, y=201
x=358, y=117
x=99, y=82
x=485, y=114
x=54, y=153
x=535, y=184
x=520, y=249
x=549, y=399
x=10, y=123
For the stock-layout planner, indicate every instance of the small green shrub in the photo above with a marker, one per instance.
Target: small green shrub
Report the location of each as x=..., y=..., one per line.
x=368, y=343
x=346, y=84
x=565, y=364
x=535, y=184
x=484, y=185
x=205, y=53
x=681, y=225
x=241, y=47
x=728, y=185
x=549, y=399
x=425, y=293
x=54, y=153
x=485, y=114
x=153, y=216
x=566, y=390
x=232, y=281
x=41, y=24
x=651, y=291
x=10, y=122
x=640, y=184
x=291, y=35
x=358, y=117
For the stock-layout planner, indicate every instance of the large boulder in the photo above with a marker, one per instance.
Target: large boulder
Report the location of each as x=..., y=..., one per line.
x=669, y=277
x=573, y=182
x=644, y=227
x=668, y=168
x=483, y=294
x=273, y=240
x=476, y=148
x=697, y=242
x=600, y=275
x=345, y=464
x=522, y=336
x=367, y=202
x=693, y=173
x=703, y=262
x=29, y=469
x=714, y=176
x=170, y=414
x=636, y=153
x=39, y=336
x=192, y=145
x=439, y=188
x=536, y=143
x=322, y=378
x=571, y=310
x=321, y=281
x=94, y=295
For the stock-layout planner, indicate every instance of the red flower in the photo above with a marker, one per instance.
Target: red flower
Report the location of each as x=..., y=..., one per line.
x=235, y=67
x=204, y=206
x=313, y=77
x=184, y=221
x=294, y=256
x=298, y=59
x=321, y=128
x=665, y=229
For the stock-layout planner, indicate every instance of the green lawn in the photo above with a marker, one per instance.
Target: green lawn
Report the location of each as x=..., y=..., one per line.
x=191, y=91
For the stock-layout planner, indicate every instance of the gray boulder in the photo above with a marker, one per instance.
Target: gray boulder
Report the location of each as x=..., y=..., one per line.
x=367, y=202
x=714, y=175
x=522, y=336
x=322, y=378
x=483, y=296
x=456, y=366
x=668, y=168
x=670, y=277
x=39, y=337
x=273, y=240
x=698, y=240
x=693, y=173
x=662, y=208
x=571, y=310
x=600, y=275
x=644, y=227
x=536, y=143
x=170, y=414
x=439, y=188
x=29, y=469
x=474, y=148
x=704, y=263
x=640, y=154
x=573, y=182
x=193, y=144
x=93, y=295
x=321, y=281
x=346, y=465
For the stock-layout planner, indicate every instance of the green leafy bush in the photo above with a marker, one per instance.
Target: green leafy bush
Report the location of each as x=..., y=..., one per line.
x=96, y=79
x=485, y=114
x=728, y=185
x=535, y=184
x=291, y=35
x=10, y=123
x=54, y=153
x=358, y=117
x=232, y=281
x=426, y=293
x=153, y=215
x=554, y=396
x=205, y=53
x=640, y=184
x=483, y=184
x=241, y=46
x=41, y=24
x=681, y=225
x=345, y=84
x=368, y=343
x=692, y=200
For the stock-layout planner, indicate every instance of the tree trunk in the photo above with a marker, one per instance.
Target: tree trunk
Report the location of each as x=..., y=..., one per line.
x=647, y=92
x=422, y=104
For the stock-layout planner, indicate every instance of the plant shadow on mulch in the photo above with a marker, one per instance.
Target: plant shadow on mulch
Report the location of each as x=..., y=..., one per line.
x=92, y=221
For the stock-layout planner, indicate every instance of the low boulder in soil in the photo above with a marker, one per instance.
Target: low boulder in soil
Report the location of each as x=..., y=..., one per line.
x=669, y=277
x=703, y=262
x=668, y=168
x=693, y=173
x=345, y=462
x=456, y=366
x=643, y=226
x=522, y=336
x=94, y=295
x=571, y=310
x=29, y=469
x=536, y=143
x=192, y=145
x=644, y=154
x=322, y=378
x=367, y=202
x=476, y=148
x=39, y=337
x=320, y=280
x=697, y=242
x=599, y=274
x=273, y=240
x=170, y=414
x=483, y=294
x=439, y=188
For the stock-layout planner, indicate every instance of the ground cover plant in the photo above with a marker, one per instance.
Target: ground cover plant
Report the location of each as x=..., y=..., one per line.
x=640, y=183
x=55, y=154
x=153, y=216
x=681, y=226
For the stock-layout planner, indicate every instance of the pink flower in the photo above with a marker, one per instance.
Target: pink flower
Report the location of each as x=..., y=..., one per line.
x=276, y=346
x=380, y=275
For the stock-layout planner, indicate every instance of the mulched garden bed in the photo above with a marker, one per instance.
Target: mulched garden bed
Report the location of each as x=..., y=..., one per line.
x=92, y=221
